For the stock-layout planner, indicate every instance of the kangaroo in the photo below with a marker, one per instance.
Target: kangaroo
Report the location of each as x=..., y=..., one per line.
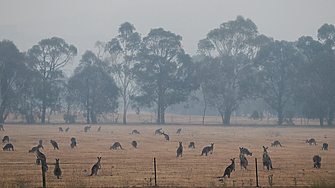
x=317, y=161
x=229, y=169
x=166, y=136
x=207, y=149
x=266, y=159
x=134, y=144
x=1, y=128
x=87, y=128
x=33, y=149
x=67, y=129
x=40, y=144
x=41, y=157
x=8, y=146
x=99, y=129
x=180, y=150
x=325, y=146
x=135, y=132
x=311, y=141
x=73, y=143
x=243, y=160
x=246, y=151
x=178, y=131
x=276, y=143
x=5, y=138
x=191, y=145
x=158, y=131
x=96, y=167
x=116, y=145
x=57, y=170
x=60, y=129
x=54, y=144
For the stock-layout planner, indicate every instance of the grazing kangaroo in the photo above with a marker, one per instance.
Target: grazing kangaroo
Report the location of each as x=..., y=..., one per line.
x=178, y=131
x=166, y=136
x=1, y=128
x=243, y=160
x=41, y=157
x=57, y=170
x=8, y=146
x=134, y=144
x=60, y=129
x=246, y=151
x=276, y=143
x=40, y=144
x=96, y=167
x=67, y=129
x=266, y=159
x=87, y=128
x=180, y=150
x=158, y=131
x=207, y=149
x=134, y=132
x=191, y=145
x=54, y=144
x=116, y=145
x=311, y=141
x=33, y=149
x=99, y=129
x=73, y=143
x=229, y=169
x=5, y=138
x=317, y=161
x=325, y=146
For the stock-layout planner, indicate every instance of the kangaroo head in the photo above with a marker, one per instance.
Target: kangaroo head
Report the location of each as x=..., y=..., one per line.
x=212, y=144
x=265, y=148
x=99, y=159
x=241, y=149
x=233, y=160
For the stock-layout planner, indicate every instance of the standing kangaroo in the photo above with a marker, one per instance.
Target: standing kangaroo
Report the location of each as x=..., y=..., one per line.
x=311, y=141
x=166, y=136
x=73, y=143
x=134, y=144
x=178, y=131
x=229, y=169
x=40, y=144
x=1, y=128
x=317, y=161
x=57, y=170
x=41, y=157
x=243, y=160
x=87, y=128
x=276, y=143
x=67, y=129
x=158, y=131
x=96, y=167
x=207, y=149
x=324, y=146
x=180, y=150
x=60, y=129
x=54, y=144
x=99, y=129
x=266, y=159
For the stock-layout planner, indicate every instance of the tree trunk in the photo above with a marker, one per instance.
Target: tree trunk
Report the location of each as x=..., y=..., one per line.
x=163, y=115
x=124, y=111
x=280, y=116
x=321, y=121
x=331, y=117
x=227, y=115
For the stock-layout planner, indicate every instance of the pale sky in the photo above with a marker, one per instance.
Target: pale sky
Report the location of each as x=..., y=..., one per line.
x=83, y=22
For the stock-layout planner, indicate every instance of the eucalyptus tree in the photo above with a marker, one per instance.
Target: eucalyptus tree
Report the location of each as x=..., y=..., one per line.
x=279, y=62
x=318, y=88
x=49, y=56
x=13, y=73
x=164, y=73
x=230, y=50
x=123, y=50
x=93, y=88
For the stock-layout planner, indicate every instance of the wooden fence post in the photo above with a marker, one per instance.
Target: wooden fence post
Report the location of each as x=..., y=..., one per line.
x=256, y=173
x=155, y=172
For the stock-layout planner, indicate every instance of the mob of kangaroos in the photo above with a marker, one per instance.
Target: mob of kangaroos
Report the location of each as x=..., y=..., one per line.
x=96, y=167
x=266, y=159
x=57, y=170
x=180, y=150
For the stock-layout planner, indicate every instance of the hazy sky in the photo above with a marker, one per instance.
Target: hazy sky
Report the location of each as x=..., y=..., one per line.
x=83, y=22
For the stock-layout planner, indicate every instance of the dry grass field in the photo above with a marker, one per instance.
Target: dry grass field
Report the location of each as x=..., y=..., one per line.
x=134, y=167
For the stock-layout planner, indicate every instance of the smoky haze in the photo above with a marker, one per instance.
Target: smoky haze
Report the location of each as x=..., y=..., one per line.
x=83, y=22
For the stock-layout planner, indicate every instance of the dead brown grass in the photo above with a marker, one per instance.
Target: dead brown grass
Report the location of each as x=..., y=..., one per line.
x=134, y=167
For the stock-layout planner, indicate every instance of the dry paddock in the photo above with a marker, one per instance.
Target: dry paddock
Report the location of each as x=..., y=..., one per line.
x=134, y=167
